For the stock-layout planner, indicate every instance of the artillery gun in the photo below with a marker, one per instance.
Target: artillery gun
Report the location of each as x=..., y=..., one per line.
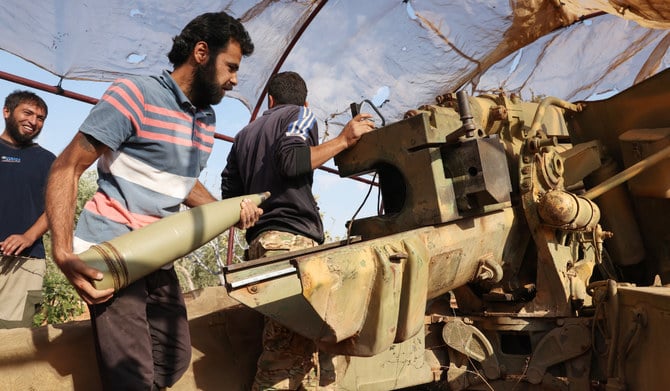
x=518, y=249
x=523, y=246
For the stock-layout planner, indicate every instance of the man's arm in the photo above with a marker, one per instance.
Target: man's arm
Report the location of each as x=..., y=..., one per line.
x=199, y=195
x=16, y=243
x=249, y=212
x=61, y=198
x=349, y=136
x=295, y=158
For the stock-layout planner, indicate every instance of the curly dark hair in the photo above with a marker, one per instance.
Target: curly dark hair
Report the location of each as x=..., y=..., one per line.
x=288, y=88
x=214, y=28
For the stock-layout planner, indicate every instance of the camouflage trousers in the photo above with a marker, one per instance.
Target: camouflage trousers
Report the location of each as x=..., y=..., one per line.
x=20, y=289
x=271, y=243
x=288, y=361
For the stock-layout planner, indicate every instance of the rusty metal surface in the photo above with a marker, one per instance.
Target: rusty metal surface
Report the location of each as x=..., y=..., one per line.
x=644, y=106
x=641, y=144
x=511, y=287
x=392, y=277
x=636, y=320
x=411, y=178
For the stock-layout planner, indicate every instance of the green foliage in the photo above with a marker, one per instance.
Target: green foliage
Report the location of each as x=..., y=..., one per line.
x=60, y=301
x=203, y=267
x=88, y=184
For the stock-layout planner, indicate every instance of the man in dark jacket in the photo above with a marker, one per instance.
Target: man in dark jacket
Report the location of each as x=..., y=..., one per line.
x=278, y=152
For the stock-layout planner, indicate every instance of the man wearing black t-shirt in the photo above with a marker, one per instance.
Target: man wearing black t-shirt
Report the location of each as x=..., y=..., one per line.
x=24, y=167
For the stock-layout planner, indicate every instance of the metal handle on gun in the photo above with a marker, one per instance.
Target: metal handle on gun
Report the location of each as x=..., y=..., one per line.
x=356, y=109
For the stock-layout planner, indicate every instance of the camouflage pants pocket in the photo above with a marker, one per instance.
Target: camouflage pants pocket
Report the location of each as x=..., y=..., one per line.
x=270, y=243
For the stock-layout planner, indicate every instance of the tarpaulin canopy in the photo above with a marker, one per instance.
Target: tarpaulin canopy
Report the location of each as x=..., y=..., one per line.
x=400, y=54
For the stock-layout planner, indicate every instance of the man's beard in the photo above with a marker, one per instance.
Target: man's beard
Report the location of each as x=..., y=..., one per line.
x=12, y=127
x=206, y=91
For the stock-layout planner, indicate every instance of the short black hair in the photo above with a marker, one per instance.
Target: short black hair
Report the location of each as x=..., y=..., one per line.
x=13, y=100
x=214, y=28
x=288, y=88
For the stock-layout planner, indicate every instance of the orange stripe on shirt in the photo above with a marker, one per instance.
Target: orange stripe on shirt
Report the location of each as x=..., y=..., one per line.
x=182, y=116
x=127, y=99
x=206, y=137
x=111, y=209
x=167, y=138
x=177, y=114
x=202, y=147
x=121, y=108
x=167, y=112
x=153, y=135
x=157, y=123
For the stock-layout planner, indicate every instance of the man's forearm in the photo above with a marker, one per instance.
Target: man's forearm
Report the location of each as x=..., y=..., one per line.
x=199, y=195
x=39, y=228
x=61, y=196
x=349, y=136
x=323, y=152
x=62, y=188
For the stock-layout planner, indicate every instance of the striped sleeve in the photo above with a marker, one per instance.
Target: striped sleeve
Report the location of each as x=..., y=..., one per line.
x=302, y=126
x=117, y=115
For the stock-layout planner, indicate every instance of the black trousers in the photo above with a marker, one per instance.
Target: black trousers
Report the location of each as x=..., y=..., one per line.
x=141, y=335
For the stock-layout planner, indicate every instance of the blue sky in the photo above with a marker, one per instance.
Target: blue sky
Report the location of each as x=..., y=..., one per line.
x=338, y=197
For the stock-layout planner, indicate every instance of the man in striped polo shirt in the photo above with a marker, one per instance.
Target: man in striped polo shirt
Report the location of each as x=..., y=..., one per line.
x=152, y=137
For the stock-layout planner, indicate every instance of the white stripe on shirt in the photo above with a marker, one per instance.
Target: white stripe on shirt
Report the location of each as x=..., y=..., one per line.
x=135, y=171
